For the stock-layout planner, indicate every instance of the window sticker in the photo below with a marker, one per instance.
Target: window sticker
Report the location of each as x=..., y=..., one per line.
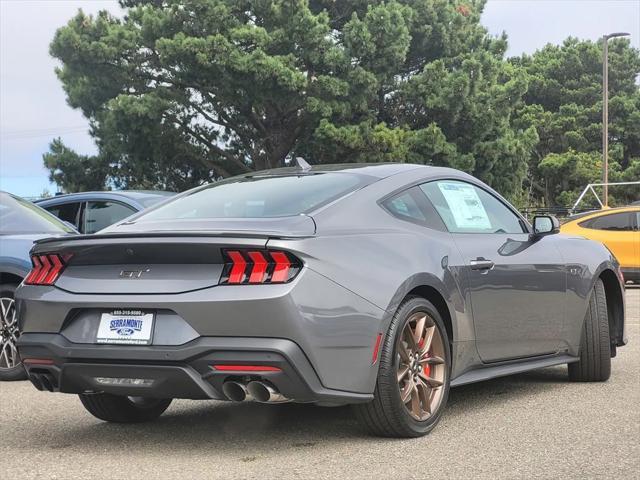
x=465, y=206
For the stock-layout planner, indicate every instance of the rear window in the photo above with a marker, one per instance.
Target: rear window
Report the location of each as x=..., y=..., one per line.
x=19, y=216
x=260, y=197
x=405, y=206
x=617, y=222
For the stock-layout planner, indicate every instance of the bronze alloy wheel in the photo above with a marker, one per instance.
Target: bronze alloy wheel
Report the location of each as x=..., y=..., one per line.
x=421, y=364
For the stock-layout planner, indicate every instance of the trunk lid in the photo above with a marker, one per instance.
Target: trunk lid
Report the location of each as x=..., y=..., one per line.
x=126, y=260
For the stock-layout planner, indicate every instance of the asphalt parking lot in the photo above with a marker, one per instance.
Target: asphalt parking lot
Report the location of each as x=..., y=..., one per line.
x=534, y=425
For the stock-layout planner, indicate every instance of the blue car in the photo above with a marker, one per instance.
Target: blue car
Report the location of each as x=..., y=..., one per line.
x=90, y=212
x=21, y=223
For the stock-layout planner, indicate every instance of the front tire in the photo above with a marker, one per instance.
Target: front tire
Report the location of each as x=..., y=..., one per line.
x=413, y=376
x=10, y=364
x=118, y=409
x=595, y=345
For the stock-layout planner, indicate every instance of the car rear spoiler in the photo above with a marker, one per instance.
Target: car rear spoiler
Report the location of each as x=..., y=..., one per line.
x=299, y=226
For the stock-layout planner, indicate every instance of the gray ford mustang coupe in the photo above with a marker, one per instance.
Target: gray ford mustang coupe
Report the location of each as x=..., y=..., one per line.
x=380, y=286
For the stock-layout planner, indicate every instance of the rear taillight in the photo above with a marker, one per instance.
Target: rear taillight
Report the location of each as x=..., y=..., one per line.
x=258, y=266
x=46, y=268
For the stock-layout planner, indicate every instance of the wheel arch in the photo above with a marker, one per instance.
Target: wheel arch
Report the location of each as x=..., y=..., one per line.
x=615, y=306
x=433, y=289
x=10, y=278
x=435, y=297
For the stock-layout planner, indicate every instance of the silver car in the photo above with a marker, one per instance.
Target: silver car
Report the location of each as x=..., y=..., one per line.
x=380, y=286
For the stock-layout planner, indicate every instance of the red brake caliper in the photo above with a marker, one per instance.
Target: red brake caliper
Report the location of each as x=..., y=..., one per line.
x=427, y=367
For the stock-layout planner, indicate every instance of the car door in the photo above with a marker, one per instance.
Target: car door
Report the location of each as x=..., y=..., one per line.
x=516, y=283
x=617, y=231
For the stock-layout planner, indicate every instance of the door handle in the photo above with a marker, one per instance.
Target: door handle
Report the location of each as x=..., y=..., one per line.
x=481, y=264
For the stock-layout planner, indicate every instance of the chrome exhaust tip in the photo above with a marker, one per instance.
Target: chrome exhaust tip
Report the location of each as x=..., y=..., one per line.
x=235, y=391
x=264, y=393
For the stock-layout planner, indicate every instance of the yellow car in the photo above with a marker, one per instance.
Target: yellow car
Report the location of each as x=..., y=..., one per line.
x=618, y=229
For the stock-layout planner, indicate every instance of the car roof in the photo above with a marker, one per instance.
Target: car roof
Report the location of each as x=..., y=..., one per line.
x=135, y=194
x=136, y=198
x=378, y=170
x=603, y=211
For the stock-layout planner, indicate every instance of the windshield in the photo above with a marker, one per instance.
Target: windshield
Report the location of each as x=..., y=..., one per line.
x=18, y=216
x=259, y=197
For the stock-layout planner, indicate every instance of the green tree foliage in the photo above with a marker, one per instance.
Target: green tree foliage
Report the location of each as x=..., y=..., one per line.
x=73, y=172
x=182, y=91
x=564, y=102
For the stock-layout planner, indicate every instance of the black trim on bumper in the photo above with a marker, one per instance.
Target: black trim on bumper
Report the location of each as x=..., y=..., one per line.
x=177, y=371
x=631, y=274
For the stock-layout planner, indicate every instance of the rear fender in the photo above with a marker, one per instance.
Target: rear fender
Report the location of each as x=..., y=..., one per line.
x=450, y=303
x=609, y=273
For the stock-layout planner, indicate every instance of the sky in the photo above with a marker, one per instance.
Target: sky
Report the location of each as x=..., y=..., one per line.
x=33, y=108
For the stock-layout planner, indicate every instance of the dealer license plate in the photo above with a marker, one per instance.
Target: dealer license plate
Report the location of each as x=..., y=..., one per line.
x=131, y=327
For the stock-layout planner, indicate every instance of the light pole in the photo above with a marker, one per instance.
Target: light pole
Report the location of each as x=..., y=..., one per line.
x=605, y=112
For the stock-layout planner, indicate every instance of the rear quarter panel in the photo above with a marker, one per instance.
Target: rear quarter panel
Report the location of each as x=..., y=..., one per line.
x=380, y=258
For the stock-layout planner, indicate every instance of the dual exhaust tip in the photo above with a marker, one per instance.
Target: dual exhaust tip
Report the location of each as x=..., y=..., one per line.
x=255, y=390
x=44, y=381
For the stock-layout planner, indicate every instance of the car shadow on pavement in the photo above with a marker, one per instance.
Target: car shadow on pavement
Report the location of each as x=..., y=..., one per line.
x=233, y=427
x=504, y=389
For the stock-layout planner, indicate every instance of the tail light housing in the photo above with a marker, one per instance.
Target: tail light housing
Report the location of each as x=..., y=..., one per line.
x=46, y=268
x=250, y=266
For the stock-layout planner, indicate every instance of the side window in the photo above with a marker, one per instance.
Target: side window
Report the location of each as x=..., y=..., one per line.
x=99, y=215
x=67, y=212
x=465, y=208
x=620, y=222
x=405, y=206
x=411, y=205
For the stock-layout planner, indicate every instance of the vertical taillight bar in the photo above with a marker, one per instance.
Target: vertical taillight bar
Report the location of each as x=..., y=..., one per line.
x=35, y=270
x=282, y=267
x=238, y=267
x=259, y=268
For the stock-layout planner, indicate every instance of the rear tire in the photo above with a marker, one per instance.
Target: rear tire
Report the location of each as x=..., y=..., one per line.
x=387, y=415
x=10, y=364
x=117, y=409
x=595, y=346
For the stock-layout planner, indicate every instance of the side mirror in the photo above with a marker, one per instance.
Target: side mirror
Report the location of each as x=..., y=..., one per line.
x=545, y=225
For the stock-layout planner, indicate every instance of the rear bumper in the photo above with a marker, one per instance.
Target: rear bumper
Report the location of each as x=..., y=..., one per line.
x=335, y=328
x=184, y=371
